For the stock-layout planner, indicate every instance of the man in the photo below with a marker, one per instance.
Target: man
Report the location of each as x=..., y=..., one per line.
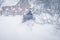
x=28, y=16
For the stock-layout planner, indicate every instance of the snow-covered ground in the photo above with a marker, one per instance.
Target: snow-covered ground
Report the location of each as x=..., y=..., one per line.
x=12, y=28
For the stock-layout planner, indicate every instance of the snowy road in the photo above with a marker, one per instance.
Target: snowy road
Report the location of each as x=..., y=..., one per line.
x=11, y=28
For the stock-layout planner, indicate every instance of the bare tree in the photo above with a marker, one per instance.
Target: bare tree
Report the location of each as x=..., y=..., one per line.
x=1, y=1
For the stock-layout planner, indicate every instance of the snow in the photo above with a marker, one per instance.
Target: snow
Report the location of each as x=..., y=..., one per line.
x=10, y=2
x=12, y=28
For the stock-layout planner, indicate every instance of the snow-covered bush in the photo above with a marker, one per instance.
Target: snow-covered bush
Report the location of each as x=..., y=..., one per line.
x=45, y=11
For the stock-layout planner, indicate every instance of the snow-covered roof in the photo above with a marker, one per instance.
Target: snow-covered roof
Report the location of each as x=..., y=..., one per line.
x=10, y=2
